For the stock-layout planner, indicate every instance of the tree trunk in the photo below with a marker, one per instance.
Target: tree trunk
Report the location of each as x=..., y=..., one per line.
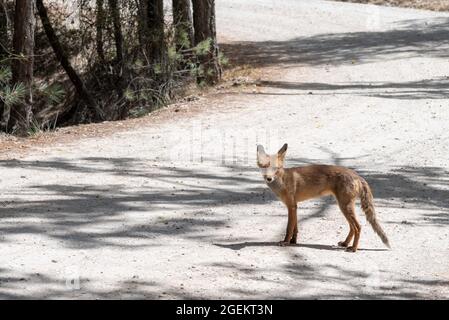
x=100, y=24
x=204, y=25
x=62, y=58
x=119, y=67
x=4, y=47
x=155, y=28
x=142, y=24
x=183, y=22
x=118, y=36
x=22, y=65
x=4, y=26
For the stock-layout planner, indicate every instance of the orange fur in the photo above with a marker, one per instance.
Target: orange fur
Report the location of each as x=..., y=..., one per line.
x=293, y=185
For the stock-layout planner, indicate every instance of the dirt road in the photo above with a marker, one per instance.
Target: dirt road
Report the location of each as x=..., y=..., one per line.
x=177, y=209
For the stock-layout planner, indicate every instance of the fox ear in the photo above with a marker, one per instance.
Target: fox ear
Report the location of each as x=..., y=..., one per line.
x=283, y=150
x=262, y=159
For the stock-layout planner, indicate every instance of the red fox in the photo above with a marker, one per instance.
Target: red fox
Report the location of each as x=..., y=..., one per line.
x=293, y=185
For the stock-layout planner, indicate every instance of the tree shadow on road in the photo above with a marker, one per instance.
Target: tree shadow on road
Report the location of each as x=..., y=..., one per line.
x=411, y=38
x=17, y=285
x=423, y=89
x=94, y=216
x=421, y=188
x=298, y=278
x=89, y=216
x=84, y=215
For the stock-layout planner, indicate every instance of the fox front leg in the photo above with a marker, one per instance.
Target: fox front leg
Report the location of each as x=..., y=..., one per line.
x=292, y=227
x=295, y=234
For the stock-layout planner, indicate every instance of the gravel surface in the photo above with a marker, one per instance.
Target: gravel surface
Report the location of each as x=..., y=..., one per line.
x=178, y=209
x=437, y=5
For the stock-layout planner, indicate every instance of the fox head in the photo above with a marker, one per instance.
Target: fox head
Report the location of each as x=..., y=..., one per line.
x=272, y=165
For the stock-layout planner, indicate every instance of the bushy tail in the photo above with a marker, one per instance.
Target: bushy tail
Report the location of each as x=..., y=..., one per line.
x=366, y=198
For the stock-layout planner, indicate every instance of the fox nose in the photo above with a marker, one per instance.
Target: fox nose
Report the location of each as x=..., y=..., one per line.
x=269, y=179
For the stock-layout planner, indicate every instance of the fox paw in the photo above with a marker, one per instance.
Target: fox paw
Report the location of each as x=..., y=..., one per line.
x=342, y=244
x=293, y=241
x=284, y=243
x=351, y=249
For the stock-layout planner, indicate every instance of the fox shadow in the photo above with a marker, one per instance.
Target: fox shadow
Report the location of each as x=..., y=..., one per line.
x=243, y=245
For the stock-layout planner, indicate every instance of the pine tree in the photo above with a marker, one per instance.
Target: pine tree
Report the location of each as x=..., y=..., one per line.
x=23, y=63
x=205, y=35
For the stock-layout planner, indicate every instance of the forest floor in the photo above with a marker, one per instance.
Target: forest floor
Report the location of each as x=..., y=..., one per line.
x=172, y=205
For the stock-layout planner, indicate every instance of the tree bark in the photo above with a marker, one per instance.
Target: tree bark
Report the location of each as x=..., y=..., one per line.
x=4, y=44
x=119, y=67
x=183, y=22
x=155, y=28
x=205, y=29
x=142, y=23
x=22, y=65
x=62, y=58
x=100, y=24
x=4, y=25
x=118, y=36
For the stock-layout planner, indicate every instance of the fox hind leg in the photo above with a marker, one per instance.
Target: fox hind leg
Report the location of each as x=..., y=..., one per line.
x=347, y=207
x=357, y=231
x=348, y=239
